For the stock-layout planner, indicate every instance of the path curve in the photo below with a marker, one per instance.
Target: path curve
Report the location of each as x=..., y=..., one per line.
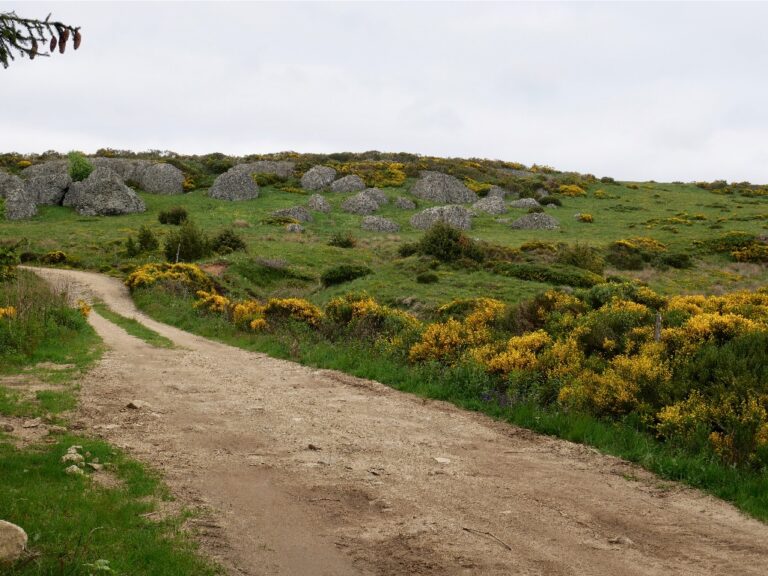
x=311, y=472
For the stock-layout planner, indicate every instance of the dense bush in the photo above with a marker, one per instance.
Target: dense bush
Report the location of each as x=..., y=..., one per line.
x=550, y=201
x=79, y=166
x=581, y=256
x=176, y=216
x=343, y=273
x=427, y=278
x=448, y=244
x=227, y=241
x=558, y=274
x=54, y=257
x=186, y=244
x=343, y=240
x=267, y=179
x=634, y=253
x=147, y=241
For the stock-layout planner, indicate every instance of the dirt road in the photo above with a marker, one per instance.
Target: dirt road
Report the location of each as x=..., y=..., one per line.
x=310, y=472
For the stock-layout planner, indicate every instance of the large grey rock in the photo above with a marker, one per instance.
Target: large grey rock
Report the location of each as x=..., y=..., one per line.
x=405, y=203
x=439, y=187
x=281, y=168
x=8, y=181
x=103, y=193
x=318, y=177
x=377, y=195
x=455, y=216
x=162, y=178
x=234, y=185
x=13, y=542
x=130, y=170
x=295, y=228
x=497, y=192
x=47, y=182
x=525, y=203
x=380, y=224
x=351, y=183
x=19, y=202
x=319, y=203
x=490, y=205
x=360, y=203
x=299, y=213
x=536, y=221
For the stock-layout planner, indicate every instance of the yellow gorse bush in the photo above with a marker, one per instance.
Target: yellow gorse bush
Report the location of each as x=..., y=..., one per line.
x=84, y=308
x=293, y=308
x=189, y=275
x=572, y=190
x=8, y=312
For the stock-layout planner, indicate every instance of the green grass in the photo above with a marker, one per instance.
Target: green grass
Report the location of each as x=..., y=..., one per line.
x=652, y=210
x=72, y=521
x=746, y=489
x=133, y=327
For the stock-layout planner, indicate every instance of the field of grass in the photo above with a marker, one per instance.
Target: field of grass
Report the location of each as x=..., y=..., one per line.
x=76, y=525
x=653, y=210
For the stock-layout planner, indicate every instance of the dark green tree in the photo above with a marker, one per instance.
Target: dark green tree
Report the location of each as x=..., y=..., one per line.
x=33, y=38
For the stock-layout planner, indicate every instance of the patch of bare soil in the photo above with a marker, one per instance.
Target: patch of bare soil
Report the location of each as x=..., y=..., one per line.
x=311, y=472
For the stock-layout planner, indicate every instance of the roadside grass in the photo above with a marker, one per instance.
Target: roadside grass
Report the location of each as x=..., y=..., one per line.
x=73, y=522
x=133, y=327
x=746, y=489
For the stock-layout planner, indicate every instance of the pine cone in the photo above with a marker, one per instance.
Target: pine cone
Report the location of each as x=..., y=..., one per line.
x=63, y=37
x=53, y=43
x=77, y=39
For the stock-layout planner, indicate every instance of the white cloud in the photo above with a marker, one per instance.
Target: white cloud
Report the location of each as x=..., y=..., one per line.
x=645, y=91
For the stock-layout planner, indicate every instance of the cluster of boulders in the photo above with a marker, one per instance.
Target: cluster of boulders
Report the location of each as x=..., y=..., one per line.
x=104, y=192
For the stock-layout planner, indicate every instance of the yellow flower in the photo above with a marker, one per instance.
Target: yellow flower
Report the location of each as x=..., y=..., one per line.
x=8, y=312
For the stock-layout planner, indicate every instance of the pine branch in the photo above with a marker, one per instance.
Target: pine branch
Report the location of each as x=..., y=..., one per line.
x=24, y=37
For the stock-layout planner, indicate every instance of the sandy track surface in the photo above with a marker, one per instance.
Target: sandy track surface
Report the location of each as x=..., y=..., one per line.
x=311, y=472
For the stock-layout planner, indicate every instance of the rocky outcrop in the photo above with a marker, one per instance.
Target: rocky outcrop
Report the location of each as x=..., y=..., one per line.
x=103, y=193
x=281, y=168
x=162, y=178
x=318, y=177
x=19, y=202
x=365, y=202
x=47, y=182
x=351, y=183
x=439, y=187
x=13, y=542
x=234, y=185
x=7, y=182
x=298, y=213
x=536, y=221
x=455, y=216
x=525, y=203
x=379, y=224
x=405, y=203
x=318, y=203
x=490, y=205
x=130, y=170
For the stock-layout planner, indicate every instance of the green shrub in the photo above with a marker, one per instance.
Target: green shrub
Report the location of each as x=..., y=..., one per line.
x=675, y=260
x=176, y=216
x=187, y=244
x=344, y=273
x=427, y=278
x=730, y=242
x=227, y=241
x=535, y=210
x=550, y=200
x=267, y=179
x=79, y=166
x=343, y=240
x=54, y=257
x=8, y=262
x=408, y=249
x=131, y=248
x=582, y=256
x=147, y=240
x=447, y=244
x=558, y=274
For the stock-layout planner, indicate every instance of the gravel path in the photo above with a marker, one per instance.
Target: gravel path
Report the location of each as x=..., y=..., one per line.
x=311, y=472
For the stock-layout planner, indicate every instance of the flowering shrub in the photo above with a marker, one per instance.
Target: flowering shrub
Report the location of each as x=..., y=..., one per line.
x=375, y=174
x=84, y=308
x=278, y=309
x=478, y=187
x=8, y=312
x=187, y=275
x=571, y=190
x=752, y=253
x=585, y=217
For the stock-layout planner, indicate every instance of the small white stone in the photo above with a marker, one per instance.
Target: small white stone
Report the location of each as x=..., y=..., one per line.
x=74, y=470
x=13, y=541
x=441, y=460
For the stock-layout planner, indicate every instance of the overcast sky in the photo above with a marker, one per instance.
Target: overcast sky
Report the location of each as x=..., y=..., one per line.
x=664, y=91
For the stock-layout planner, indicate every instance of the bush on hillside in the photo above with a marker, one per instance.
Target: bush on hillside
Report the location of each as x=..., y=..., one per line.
x=344, y=273
x=227, y=241
x=176, y=216
x=79, y=166
x=187, y=244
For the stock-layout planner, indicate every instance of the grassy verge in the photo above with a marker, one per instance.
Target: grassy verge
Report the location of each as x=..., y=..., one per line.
x=76, y=524
x=133, y=327
x=746, y=489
